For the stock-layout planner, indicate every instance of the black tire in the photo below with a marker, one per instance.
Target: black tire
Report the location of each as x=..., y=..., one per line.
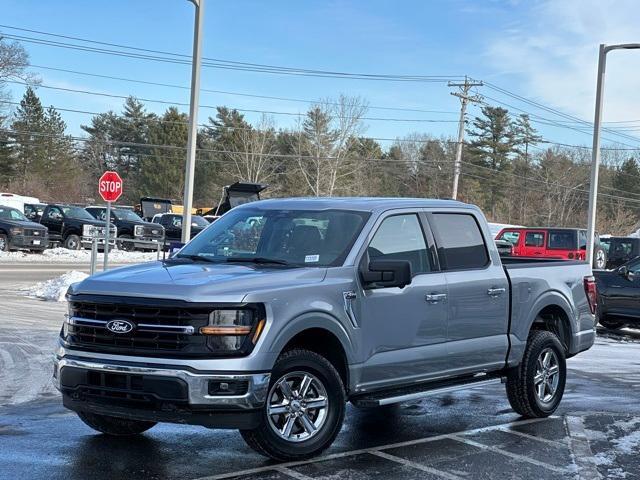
x=120, y=427
x=265, y=441
x=72, y=242
x=599, y=260
x=4, y=242
x=126, y=246
x=521, y=388
x=610, y=323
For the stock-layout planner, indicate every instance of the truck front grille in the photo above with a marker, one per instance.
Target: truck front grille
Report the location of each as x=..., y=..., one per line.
x=162, y=329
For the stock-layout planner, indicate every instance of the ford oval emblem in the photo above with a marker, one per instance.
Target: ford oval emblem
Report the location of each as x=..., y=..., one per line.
x=120, y=326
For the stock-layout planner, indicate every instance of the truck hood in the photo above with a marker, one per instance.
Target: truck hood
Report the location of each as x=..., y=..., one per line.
x=196, y=282
x=24, y=224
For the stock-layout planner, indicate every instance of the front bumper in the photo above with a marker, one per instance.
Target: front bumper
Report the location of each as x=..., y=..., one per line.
x=32, y=242
x=160, y=392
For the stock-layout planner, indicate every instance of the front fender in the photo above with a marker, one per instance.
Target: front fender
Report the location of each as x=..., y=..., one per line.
x=313, y=319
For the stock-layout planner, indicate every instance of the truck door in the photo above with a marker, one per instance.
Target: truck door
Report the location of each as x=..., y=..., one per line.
x=53, y=218
x=534, y=242
x=403, y=329
x=478, y=295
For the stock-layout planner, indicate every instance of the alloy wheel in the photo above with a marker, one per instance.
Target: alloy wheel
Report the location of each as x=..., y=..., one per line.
x=297, y=406
x=547, y=376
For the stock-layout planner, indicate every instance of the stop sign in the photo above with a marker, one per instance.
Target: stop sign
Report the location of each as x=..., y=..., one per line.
x=110, y=186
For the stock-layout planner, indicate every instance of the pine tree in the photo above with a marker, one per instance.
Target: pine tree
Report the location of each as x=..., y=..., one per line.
x=28, y=137
x=492, y=145
x=627, y=177
x=525, y=136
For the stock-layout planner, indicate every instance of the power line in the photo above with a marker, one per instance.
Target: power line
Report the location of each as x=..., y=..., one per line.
x=212, y=107
x=225, y=92
x=169, y=57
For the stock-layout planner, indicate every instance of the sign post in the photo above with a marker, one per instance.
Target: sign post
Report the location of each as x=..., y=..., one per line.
x=110, y=189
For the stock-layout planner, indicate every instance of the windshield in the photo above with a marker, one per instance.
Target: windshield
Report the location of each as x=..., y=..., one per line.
x=297, y=237
x=77, y=212
x=199, y=221
x=11, y=214
x=124, y=214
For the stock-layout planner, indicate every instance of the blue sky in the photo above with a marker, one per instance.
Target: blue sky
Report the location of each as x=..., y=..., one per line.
x=542, y=49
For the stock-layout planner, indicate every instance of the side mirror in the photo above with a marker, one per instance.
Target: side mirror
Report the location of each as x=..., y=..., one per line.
x=626, y=273
x=386, y=273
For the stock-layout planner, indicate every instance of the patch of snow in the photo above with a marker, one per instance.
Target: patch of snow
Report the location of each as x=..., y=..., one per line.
x=635, y=234
x=56, y=288
x=603, y=459
x=62, y=255
x=628, y=444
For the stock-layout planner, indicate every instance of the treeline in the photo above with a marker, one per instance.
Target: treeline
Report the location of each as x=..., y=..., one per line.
x=506, y=167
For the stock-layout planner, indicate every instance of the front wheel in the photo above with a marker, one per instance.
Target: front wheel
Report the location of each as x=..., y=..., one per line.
x=304, y=409
x=536, y=386
x=127, y=245
x=113, y=425
x=4, y=243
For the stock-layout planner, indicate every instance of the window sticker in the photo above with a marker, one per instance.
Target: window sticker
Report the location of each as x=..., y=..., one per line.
x=311, y=258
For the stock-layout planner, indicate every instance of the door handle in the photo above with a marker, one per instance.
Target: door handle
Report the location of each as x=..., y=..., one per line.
x=494, y=292
x=435, y=297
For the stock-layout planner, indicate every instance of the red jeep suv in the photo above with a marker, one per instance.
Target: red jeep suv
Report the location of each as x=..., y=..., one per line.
x=563, y=243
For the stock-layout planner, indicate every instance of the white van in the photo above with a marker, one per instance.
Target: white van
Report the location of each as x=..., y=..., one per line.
x=16, y=201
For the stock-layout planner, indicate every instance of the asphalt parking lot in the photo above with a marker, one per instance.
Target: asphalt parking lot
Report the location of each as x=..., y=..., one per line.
x=474, y=434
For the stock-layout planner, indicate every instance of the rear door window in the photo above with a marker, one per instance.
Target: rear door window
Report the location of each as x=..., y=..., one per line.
x=460, y=242
x=562, y=240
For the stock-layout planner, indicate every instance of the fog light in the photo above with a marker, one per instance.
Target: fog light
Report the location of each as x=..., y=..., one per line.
x=228, y=387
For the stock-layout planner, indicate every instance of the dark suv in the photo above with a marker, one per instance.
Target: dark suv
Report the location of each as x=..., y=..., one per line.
x=620, y=250
x=17, y=232
x=132, y=230
x=74, y=227
x=172, y=223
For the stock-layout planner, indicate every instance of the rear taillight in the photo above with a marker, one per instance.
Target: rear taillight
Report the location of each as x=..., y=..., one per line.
x=591, y=290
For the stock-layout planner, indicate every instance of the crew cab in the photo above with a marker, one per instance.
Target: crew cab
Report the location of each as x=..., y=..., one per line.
x=281, y=311
x=172, y=224
x=133, y=232
x=619, y=295
x=620, y=250
x=19, y=233
x=557, y=243
x=74, y=227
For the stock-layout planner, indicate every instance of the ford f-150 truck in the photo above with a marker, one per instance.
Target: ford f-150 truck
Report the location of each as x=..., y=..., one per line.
x=281, y=311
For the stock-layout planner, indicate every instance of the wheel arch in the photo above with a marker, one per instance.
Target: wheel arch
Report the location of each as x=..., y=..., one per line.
x=322, y=334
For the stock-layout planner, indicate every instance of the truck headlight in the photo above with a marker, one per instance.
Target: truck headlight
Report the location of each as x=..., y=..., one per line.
x=138, y=231
x=233, y=329
x=16, y=231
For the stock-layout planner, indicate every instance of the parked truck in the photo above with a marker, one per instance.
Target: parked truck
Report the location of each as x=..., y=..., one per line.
x=280, y=312
x=74, y=228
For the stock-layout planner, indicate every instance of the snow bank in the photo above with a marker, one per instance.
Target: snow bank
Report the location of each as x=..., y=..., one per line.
x=62, y=255
x=55, y=289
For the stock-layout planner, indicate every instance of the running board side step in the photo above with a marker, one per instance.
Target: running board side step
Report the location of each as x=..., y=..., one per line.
x=377, y=399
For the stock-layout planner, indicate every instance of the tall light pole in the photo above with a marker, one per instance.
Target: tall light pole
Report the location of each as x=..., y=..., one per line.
x=595, y=152
x=192, y=139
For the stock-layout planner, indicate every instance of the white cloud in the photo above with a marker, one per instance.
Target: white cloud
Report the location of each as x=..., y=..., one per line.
x=552, y=50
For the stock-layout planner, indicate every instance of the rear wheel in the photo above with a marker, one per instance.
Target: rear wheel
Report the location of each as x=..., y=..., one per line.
x=72, y=242
x=536, y=386
x=304, y=409
x=113, y=425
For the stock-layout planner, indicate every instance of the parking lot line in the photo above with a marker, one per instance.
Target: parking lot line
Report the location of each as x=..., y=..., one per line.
x=349, y=453
x=581, y=449
x=292, y=473
x=417, y=466
x=515, y=456
x=555, y=443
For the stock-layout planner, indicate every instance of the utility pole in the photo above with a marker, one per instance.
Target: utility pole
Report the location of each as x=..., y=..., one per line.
x=464, y=97
x=192, y=138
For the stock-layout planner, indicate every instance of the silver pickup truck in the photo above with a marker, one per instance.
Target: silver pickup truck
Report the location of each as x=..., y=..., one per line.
x=281, y=311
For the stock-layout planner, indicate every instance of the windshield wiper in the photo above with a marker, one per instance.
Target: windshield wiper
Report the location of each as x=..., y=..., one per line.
x=196, y=258
x=261, y=260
